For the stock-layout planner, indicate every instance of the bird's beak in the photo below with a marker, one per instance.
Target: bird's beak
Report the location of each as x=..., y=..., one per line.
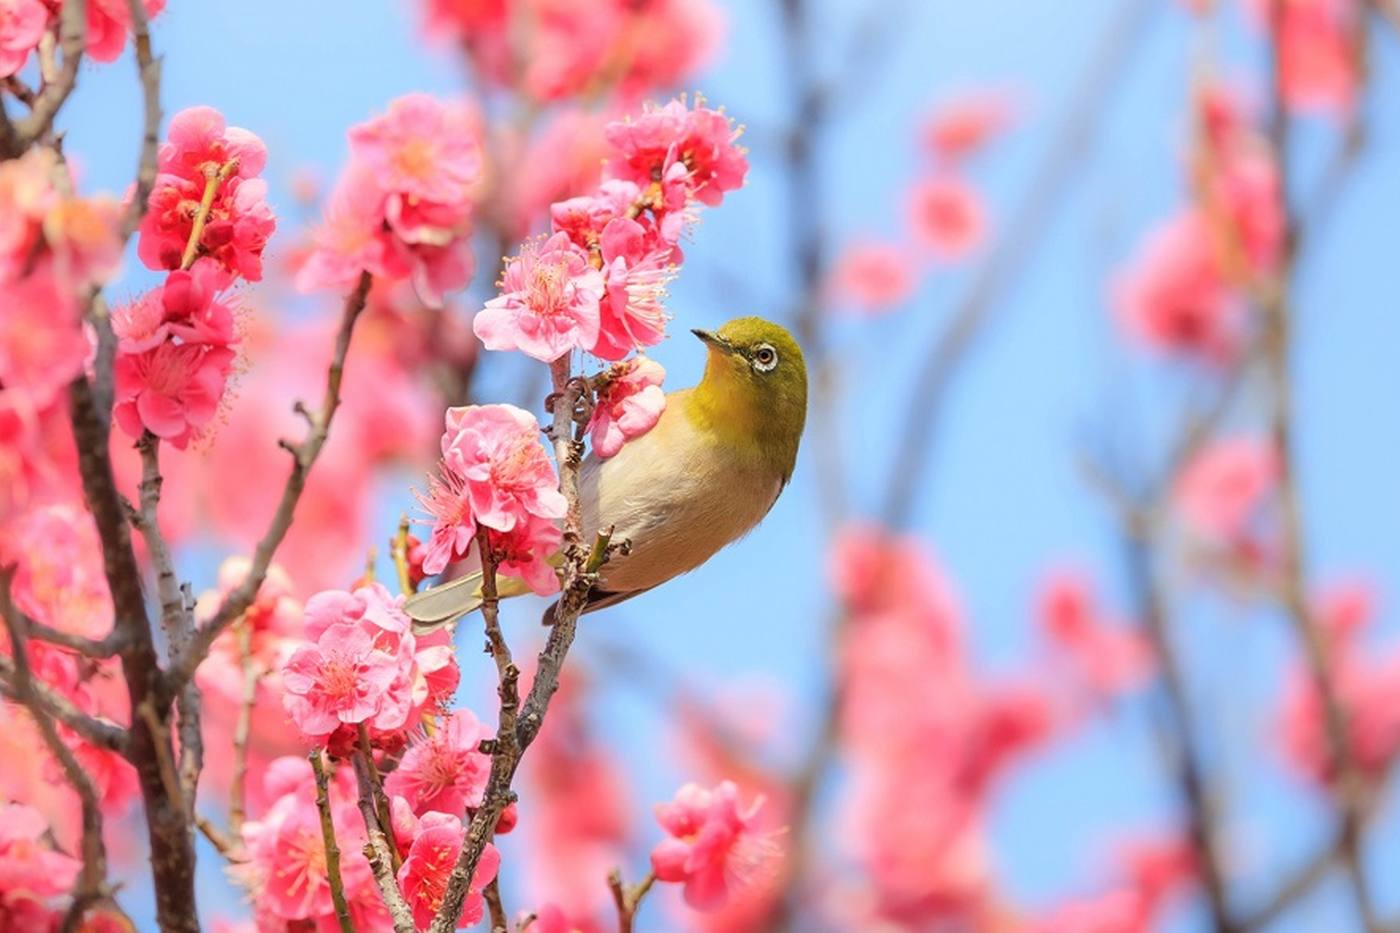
x=713, y=339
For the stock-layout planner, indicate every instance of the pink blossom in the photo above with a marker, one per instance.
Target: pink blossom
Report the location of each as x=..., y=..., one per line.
x=445, y=770
x=31, y=871
x=629, y=404
x=200, y=145
x=341, y=678
x=1222, y=488
x=421, y=150
x=1237, y=185
x=108, y=23
x=873, y=276
x=185, y=307
x=559, y=160
x=26, y=195
x=947, y=216
x=525, y=552
x=58, y=576
x=173, y=390
x=423, y=875
x=75, y=236
x=963, y=124
x=714, y=846
x=352, y=239
x=22, y=23
x=42, y=343
x=700, y=141
x=496, y=451
x=82, y=234
x=1173, y=296
x=1319, y=68
x=549, y=302
x=636, y=268
x=454, y=529
x=1111, y=659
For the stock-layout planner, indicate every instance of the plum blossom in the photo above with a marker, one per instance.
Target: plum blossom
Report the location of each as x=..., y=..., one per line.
x=431, y=857
x=1173, y=295
x=506, y=474
x=1223, y=487
x=629, y=404
x=42, y=344
x=58, y=576
x=402, y=209
x=186, y=307
x=173, y=390
x=714, y=846
x=31, y=872
x=687, y=151
x=525, y=552
x=109, y=23
x=947, y=216
x=1318, y=55
x=445, y=770
x=22, y=23
x=964, y=123
x=201, y=149
x=342, y=678
x=548, y=305
x=40, y=227
x=872, y=276
x=1110, y=659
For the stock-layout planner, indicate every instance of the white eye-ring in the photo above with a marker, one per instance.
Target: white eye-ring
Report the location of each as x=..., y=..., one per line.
x=764, y=358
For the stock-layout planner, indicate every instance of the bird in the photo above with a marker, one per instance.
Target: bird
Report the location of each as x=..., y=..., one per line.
x=705, y=475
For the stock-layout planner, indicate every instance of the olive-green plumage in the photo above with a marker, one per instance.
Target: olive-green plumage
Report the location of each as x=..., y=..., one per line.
x=704, y=476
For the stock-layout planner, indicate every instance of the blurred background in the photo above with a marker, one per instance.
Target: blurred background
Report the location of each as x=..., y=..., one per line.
x=1021, y=647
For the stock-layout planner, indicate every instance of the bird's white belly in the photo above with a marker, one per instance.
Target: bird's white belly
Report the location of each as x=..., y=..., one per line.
x=677, y=497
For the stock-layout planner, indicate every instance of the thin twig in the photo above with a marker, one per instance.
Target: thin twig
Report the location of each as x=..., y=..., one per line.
x=626, y=899
x=220, y=840
x=492, y=895
x=99, y=732
x=97, y=649
x=378, y=850
x=332, y=848
x=148, y=73
x=213, y=179
x=399, y=552
x=376, y=785
x=303, y=458
x=242, y=729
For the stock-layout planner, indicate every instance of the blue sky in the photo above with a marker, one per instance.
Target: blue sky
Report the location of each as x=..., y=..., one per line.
x=1003, y=499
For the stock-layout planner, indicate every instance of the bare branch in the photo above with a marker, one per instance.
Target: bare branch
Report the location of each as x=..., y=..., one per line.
x=93, y=878
x=492, y=895
x=97, y=649
x=148, y=70
x=243, y=727
x=378, y=850
x=53, y=94
x=323, y=806
x=303, y=458
x=626, y=899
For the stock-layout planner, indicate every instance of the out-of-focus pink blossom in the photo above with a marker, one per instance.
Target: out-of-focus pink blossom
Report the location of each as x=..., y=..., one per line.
x=1224, y=486
x=628, y=406
x=109, y=23
x=423, y=875
x=58, y=576
x=714, y=844
x=22, y=23
x=421, y=150
x=1173, y=296
x=31, y=872
x=947, y=216
x=965, y=123
x=1318, y=54
x=173, y=390
x=42, y=344
x=872, y=276
x=199, y=146
x=496, y=451
x=562, y=159
x=1156, y=869
x=1111, y=659
x=548, y=305
x=700, y=140
x=446, y=770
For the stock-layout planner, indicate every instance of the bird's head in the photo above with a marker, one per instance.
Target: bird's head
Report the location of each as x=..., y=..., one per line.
x=755, y=387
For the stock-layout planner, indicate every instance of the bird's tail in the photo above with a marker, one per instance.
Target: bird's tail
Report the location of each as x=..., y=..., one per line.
x=439, y=605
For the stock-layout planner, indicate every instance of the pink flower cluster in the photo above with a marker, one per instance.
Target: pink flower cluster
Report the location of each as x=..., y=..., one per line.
x=1319, y=58
x=24, y=22
x=402, y=210
x=925, y=739
x=201, y=151
x=550, y=50
x=1153, y=870
x=598, y=283
x=362, y=666
x=1182, y=291
x=715, y=844
x=52, y=246
x=629, y=403
x=32, y=872
x=495, y=474
x=1107, y=660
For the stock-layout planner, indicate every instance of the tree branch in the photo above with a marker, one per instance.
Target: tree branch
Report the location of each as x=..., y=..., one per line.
x=378, y=851
x=53, y=94
x=303, y=458
x=323, y=806
x=148, y=72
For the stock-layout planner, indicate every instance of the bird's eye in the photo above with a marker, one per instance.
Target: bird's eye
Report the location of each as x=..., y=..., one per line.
x=764, y=358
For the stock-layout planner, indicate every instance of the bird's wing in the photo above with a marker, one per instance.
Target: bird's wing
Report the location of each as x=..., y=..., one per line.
x=597, y=599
